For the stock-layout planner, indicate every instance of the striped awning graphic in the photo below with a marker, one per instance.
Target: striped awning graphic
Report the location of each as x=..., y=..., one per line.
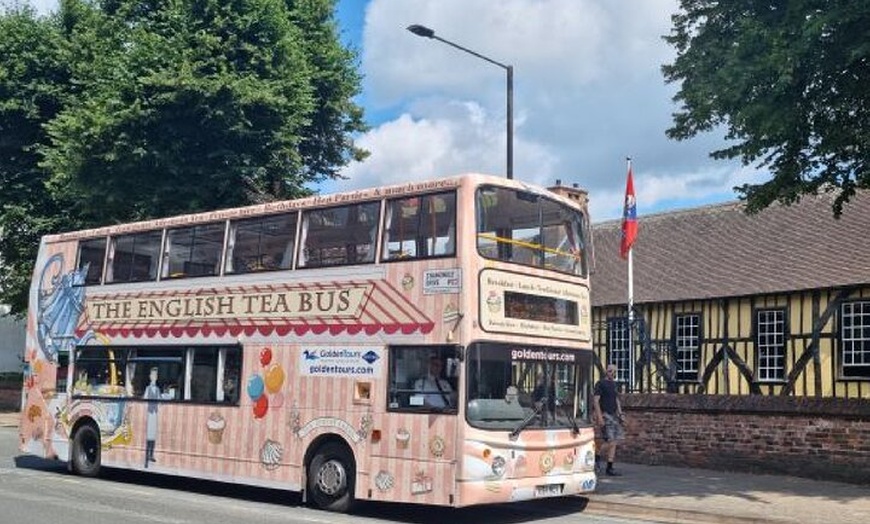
x=340, y=307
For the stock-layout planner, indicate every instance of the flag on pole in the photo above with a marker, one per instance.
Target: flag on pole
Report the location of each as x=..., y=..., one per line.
x=629, y=217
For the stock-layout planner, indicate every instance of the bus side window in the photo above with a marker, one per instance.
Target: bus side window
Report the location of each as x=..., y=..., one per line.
x=92, y=255
x=261, y=244
x=231, y=389
x=134, y=257
x=203, y=378
x=231, y=359
x=339, y=235
x=402, y=371
x=420, y=227
x=411, y=384
x=193, y=251
x=203, y=383
x=99, y=371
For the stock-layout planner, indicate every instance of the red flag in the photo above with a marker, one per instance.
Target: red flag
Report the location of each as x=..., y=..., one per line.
x=629, y=218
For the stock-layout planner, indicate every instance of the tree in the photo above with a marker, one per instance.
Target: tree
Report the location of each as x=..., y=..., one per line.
x=336, y=81
x=34, y=78
x=788, y=80
x=183, y=106
x=187, y=102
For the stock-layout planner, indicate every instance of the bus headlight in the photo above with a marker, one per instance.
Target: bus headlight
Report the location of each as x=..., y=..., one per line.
x=499, y=464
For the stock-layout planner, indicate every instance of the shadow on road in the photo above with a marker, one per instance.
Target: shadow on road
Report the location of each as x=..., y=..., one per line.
x=409, y=513
x=494, y=513
x=40, y=464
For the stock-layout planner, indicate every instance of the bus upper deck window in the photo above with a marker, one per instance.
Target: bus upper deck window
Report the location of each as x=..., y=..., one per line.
x=261, y=243
x=420, y=227
x=134, y=257
x=92, y=255
x=193, y=251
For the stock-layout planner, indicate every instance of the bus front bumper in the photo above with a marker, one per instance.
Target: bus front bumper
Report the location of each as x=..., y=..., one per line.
x=494, y=491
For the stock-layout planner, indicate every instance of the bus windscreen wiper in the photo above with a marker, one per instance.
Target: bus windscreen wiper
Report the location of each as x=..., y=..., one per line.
x=525, y=423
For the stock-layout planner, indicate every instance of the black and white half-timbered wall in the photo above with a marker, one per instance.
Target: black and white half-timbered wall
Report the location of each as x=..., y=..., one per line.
x=749, y=344
x=775, y=303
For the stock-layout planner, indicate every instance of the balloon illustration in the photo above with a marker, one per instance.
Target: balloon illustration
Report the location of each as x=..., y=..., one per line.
x=265, y=356
x=264, y=387
x=274, y=378
x=255, y=387
x=261, y=406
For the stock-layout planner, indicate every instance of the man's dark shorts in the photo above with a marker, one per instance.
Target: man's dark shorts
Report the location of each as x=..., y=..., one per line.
x=612, y=428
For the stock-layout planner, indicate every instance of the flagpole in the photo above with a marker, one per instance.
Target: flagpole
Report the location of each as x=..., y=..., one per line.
x=629, y=235
x=630, y=307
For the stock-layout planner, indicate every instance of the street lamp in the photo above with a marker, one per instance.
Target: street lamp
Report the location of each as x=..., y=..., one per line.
x=425, y=32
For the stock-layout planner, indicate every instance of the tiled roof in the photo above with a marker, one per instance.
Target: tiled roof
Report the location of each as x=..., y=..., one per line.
x=719, y=251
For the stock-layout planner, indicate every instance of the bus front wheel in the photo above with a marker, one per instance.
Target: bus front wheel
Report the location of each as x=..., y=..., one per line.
x=331, y=478
x=86, y=451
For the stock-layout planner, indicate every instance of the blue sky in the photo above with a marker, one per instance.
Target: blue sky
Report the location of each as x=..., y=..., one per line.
x=588, y=92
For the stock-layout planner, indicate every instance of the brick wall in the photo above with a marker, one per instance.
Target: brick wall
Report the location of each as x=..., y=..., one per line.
x=817, y=438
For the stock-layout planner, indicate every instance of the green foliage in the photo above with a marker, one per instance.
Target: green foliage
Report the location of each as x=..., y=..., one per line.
x=125, y=110
x=34, y=79
x=336, y=81
x=788, y=80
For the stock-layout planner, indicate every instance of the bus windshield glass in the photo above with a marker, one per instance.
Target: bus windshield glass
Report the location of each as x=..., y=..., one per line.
x=533, y=386
x=527, y=228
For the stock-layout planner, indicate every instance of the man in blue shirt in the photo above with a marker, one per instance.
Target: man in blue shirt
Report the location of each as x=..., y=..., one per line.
x=608, y=416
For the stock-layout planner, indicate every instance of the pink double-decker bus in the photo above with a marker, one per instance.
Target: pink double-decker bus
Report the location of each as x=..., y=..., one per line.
x=428, y=342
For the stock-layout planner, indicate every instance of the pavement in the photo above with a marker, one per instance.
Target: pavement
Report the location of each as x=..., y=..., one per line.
x=697, y=496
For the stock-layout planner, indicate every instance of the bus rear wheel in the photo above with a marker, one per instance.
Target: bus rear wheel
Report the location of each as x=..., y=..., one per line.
x=85, y=455
x=331, y=478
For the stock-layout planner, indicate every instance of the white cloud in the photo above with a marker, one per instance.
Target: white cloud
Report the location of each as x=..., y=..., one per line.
x=662, y=192
x=588, y=93
x=446, y=137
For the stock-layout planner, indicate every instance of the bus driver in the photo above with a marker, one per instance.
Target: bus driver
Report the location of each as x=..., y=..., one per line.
x=436, y=391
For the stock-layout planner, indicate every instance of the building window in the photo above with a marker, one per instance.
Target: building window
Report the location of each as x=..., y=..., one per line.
x=770, y=345
x=687, y=340
x=855, y=339
x=618, y=348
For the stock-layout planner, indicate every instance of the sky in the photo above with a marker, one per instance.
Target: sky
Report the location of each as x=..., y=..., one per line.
x=588, y=93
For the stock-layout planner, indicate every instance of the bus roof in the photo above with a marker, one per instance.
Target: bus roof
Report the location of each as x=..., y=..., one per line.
x=314, y=201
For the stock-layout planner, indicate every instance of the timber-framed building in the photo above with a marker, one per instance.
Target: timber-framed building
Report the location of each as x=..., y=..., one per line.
x=776, y=303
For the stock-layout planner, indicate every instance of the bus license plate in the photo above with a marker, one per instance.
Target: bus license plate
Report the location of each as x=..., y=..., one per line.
x=549, y=490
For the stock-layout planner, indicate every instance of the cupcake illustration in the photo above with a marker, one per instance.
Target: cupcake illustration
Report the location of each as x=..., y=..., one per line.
x=270, y=454
x=403, y=437
x=493, y=302
x=215, y=425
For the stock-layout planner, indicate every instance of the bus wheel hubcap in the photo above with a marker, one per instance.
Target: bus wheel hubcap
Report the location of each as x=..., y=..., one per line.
x=89, y=451
x=332, y=478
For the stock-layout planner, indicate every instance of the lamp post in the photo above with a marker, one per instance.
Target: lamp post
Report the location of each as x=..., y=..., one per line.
x=425, y=32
